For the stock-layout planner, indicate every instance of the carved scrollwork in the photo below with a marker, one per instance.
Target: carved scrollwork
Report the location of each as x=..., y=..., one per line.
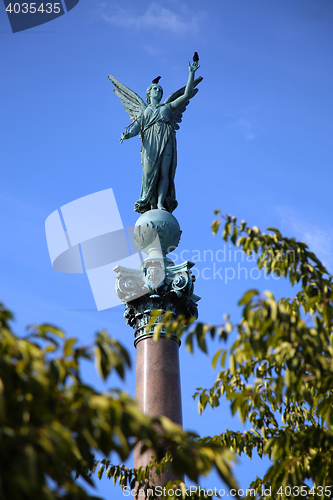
x=158, y=285
x=128, y=285
x=180, y=281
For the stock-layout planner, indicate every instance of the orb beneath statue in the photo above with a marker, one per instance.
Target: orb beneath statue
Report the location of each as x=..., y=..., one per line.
x=157, y=233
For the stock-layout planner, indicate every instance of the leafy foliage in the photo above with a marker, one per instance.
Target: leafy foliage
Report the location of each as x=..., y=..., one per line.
x=52, y=423
x=280, y=367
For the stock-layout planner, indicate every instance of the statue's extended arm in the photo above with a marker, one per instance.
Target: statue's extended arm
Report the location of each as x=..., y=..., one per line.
x=135, y=130
x=183, y=99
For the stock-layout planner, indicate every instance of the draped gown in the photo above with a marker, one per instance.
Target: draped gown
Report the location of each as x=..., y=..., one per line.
x=157, y=129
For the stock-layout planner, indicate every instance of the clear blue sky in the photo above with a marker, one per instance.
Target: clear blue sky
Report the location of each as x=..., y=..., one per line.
x=255, y=142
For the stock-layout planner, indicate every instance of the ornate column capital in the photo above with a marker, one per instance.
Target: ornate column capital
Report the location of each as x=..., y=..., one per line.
x=159, y=284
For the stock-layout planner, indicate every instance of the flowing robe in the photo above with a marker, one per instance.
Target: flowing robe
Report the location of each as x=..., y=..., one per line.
x=157, y=129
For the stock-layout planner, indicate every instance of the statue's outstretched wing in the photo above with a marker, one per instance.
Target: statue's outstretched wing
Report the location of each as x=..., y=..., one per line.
x=133, y=103
x=178, y=113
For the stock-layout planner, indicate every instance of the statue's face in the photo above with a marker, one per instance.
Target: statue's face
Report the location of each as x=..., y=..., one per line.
x=156, y=92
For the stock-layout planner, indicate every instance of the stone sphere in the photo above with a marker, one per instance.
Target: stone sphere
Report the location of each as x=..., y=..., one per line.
x=157, y=233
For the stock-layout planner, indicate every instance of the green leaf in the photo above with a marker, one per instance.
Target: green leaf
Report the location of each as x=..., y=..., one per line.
x=232, y=364
x=223, y=357
x=68, y=347
x=189, y=342
x=247, y=297
x=215, y=358
x=215, y=226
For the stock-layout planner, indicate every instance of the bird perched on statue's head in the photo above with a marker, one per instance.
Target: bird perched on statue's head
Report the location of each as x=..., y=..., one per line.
x=196, y=57
x=156, y=80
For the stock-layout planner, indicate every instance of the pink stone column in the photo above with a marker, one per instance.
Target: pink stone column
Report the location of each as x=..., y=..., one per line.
x=157, y=389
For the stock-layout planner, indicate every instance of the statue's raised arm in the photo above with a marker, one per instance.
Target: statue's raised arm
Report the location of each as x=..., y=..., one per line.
x=156, y=123
x=185, y=93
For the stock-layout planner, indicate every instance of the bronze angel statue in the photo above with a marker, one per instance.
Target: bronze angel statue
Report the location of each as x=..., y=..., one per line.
x=156, y=123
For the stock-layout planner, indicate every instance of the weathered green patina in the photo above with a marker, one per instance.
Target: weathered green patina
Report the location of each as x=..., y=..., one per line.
x=156, y=123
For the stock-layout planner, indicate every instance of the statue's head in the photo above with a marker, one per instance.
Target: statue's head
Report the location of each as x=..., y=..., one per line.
x=154, y=90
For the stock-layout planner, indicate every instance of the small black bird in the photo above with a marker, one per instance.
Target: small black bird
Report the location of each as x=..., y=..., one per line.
x=156, y=80
x=196, y=58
